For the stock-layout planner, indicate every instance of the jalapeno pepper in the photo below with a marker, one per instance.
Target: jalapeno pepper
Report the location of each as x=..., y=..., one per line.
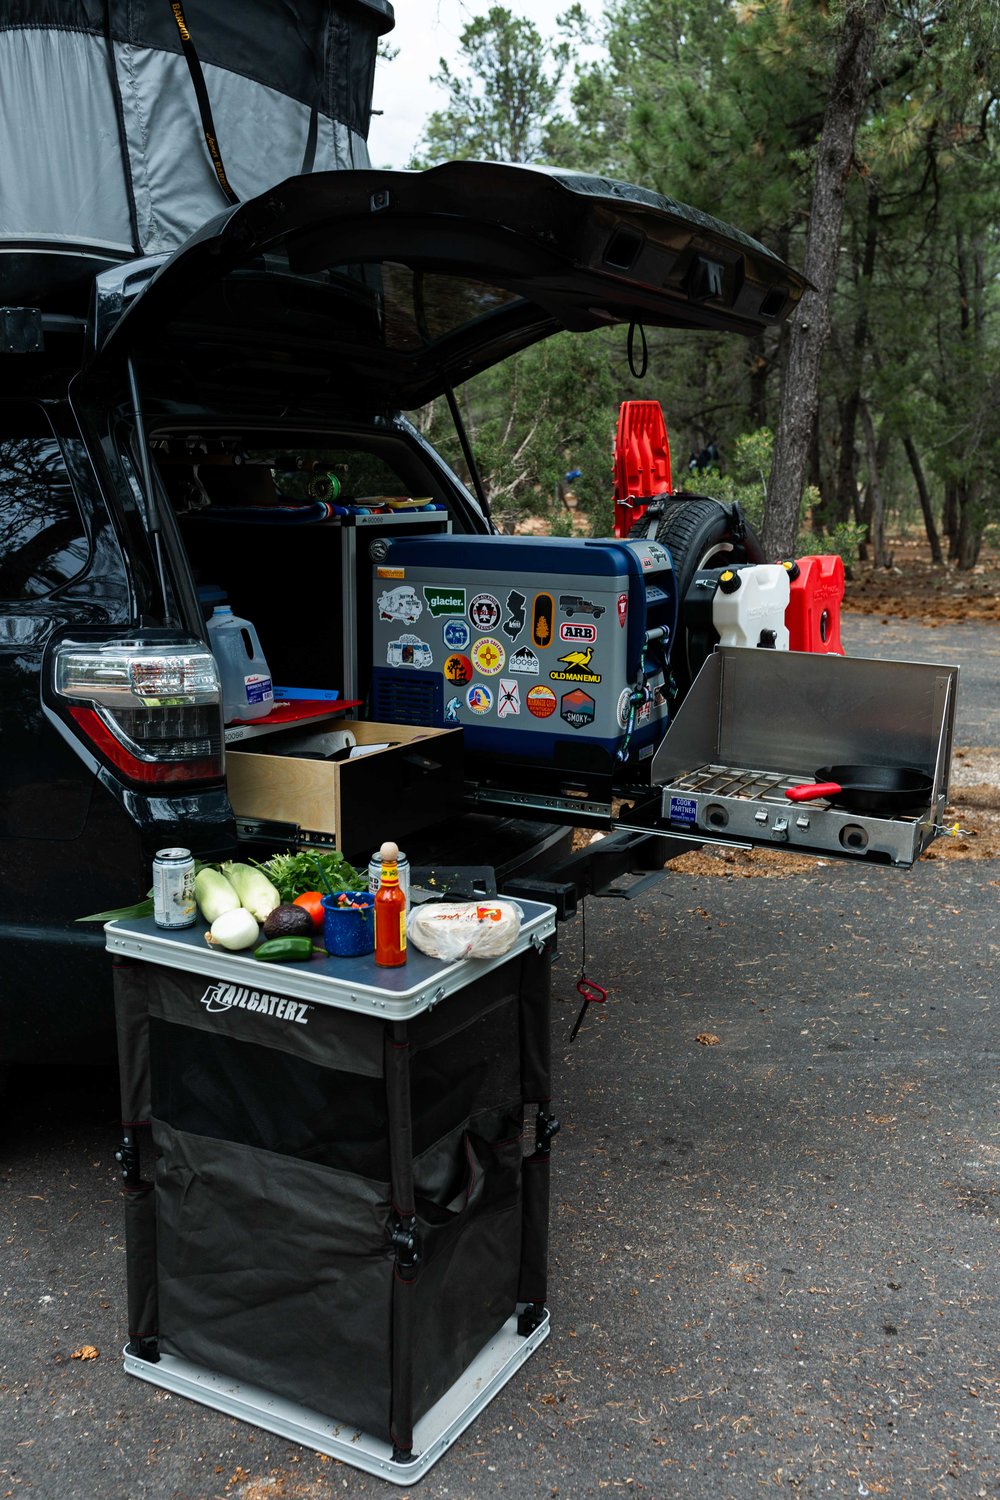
x=287, y=950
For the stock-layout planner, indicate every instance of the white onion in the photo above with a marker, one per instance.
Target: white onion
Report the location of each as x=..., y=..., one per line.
x=234, y=930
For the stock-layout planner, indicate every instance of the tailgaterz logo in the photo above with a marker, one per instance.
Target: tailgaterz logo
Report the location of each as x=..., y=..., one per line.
x=219, y=997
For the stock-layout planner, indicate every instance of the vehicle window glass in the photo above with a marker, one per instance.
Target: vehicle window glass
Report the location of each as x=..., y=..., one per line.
x=243, y=477
x=391, y=304
x=43, y=542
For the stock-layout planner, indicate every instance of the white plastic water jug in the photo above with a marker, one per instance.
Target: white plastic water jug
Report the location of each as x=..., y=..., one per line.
x=246, y=680
x=749, y=606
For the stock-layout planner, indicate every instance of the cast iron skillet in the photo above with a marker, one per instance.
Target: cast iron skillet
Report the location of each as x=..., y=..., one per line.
x=867, y=788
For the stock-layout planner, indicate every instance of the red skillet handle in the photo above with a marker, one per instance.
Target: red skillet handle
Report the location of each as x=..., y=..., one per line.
x=812, y=792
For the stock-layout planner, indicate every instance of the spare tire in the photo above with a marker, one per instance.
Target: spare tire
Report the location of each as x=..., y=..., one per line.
x=700, y=533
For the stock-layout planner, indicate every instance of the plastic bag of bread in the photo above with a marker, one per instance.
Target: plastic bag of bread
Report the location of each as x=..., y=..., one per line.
x=464, y=929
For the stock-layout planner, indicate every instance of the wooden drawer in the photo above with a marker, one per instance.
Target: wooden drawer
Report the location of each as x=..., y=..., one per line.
x=387, y=794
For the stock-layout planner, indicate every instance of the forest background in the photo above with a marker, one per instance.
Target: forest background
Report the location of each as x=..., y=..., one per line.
x=858, y=139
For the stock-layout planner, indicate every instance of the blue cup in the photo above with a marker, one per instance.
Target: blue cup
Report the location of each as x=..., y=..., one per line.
x=349, y=931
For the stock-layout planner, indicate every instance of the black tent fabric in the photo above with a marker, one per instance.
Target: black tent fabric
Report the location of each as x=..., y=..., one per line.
x=116, y=114
x=341, y=1213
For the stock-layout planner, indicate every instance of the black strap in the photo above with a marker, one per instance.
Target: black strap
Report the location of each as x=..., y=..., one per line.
x=201, y=94
x=116, y=94
x=638, y=371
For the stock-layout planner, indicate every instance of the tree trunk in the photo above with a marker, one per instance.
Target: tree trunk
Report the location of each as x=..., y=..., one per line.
x=925, y=499
x=811, y=322
x=949, y=518
x=970, y=524
x=877, y=451
x=847, y=467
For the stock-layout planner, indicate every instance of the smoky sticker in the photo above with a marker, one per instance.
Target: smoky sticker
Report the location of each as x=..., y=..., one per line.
x=622, y=608
x=577, y=708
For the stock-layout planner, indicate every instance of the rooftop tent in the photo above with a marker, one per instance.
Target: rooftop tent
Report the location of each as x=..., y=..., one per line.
x=128, y=123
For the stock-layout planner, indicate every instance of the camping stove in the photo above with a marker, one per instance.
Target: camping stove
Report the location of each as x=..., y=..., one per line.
x=755, y=723
x=738, y=803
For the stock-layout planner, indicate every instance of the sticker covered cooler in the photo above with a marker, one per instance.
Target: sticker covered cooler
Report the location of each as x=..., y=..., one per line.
x=551, y=653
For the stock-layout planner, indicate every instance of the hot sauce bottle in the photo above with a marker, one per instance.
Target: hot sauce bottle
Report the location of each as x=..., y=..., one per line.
x=390, y=912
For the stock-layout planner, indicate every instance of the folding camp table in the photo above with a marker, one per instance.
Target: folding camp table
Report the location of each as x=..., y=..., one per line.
x=334, y=1229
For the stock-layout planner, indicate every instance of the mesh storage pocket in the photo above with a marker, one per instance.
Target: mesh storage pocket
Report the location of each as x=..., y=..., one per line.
x=276, y=1271
x=469, y=1223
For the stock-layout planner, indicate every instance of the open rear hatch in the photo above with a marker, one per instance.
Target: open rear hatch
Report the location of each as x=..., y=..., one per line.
x=386, y=288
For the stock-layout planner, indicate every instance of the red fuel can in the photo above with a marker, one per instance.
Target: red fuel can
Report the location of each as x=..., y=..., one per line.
x=815, y=595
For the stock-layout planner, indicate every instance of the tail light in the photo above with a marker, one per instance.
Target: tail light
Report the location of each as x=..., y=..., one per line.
x=150, y=709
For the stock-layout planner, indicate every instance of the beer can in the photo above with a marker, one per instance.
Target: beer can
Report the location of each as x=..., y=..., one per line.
x=375, y=873
x=173, y=888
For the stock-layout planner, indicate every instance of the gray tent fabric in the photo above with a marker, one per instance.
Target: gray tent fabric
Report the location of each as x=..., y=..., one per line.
x=105, y=145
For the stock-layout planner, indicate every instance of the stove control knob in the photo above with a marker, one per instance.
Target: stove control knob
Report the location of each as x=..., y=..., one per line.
x=779, y=830
x=802, y=822
x=760, y=816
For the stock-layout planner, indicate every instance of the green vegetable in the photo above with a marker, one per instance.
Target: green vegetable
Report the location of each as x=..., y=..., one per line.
x=287, y=950
x=293, y=874
x=214, y=894
x=254, y=889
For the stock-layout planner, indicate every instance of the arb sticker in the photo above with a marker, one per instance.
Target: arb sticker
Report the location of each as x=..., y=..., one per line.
x=584, y=634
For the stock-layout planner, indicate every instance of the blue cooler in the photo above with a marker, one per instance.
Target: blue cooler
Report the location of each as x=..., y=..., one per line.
x=551, y=653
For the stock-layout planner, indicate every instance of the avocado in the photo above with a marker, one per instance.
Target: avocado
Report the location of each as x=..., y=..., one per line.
x=288, y=921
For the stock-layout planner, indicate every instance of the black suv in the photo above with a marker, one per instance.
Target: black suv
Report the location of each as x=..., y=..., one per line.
x=174, y=422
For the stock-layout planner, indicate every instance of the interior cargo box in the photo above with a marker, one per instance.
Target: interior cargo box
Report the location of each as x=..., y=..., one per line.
x=413, y=783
